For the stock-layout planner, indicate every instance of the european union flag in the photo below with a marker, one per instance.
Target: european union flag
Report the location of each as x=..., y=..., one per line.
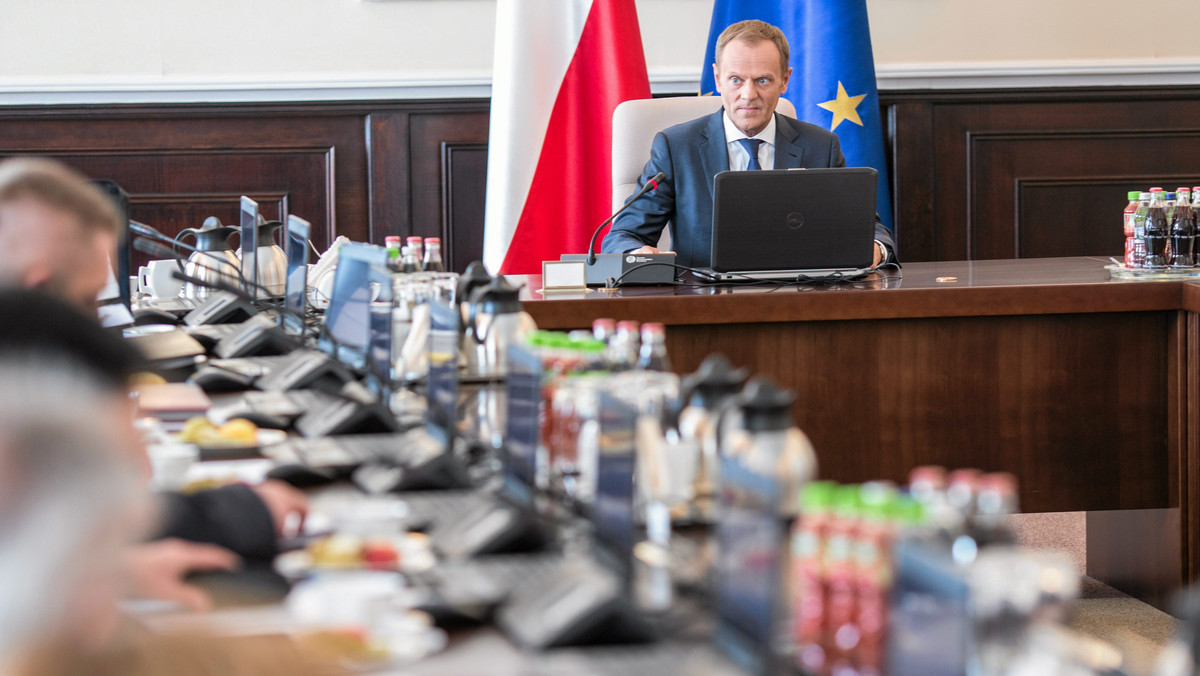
x=833, y=72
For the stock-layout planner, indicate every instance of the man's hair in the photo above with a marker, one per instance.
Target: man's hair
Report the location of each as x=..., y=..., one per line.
x=754, y=31
x=37, y=323
x=56, y=185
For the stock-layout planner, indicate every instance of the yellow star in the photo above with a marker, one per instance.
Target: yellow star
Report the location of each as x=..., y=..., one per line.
x=843, y=107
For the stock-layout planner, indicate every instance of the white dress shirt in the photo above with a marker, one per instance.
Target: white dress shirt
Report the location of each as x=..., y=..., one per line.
x=739, y=159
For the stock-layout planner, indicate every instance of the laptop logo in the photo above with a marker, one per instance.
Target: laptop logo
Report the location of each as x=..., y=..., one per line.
x=795, y=220
x=630, y=259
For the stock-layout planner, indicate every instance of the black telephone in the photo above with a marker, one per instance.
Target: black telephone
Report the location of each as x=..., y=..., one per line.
x=585, y=605
x=353, y=414
x=306, y=370
x=492, y=528
x=259, y=336
x=221, y=308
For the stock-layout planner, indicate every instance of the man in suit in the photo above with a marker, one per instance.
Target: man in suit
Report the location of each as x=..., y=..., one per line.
x=751, y=74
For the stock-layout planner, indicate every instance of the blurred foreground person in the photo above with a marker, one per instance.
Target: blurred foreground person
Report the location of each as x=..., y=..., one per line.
x=71, y=509
x=70, y=505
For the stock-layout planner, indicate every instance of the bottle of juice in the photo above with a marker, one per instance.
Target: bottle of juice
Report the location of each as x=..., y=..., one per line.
x=1139, y=230
x=809, y=591
x=841, y=635
x=873, y=570
x=1130, y=217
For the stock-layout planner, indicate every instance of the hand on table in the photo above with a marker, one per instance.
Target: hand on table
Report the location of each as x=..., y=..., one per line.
x=157, y=570
x=650, y=250
x=283, y=501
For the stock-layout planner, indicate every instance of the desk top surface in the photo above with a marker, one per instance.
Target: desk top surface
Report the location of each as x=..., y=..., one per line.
x=934, y=289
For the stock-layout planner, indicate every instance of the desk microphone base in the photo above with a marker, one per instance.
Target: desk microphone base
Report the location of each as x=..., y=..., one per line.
x=614, y=265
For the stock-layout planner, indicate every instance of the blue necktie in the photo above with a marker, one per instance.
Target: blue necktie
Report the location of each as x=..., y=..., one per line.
x=751, y=146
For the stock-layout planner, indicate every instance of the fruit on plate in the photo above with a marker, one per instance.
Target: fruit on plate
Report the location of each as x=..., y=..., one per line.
x=239, y=430
x=380, y=554
x=201, y=431
x=350, y=551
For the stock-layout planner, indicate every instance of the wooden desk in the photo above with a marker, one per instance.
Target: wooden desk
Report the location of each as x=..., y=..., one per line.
x=1083, y=387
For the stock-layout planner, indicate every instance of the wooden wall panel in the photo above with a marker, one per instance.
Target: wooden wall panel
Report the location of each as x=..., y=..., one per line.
x=1032, y=173
x=363, y=169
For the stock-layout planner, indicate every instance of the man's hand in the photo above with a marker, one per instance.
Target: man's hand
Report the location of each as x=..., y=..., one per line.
x=157, y=570
x=283, y=500
x=879, y=256
x=649, y=250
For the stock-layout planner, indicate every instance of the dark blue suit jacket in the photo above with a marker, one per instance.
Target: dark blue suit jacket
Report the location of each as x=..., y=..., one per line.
x=691, y=155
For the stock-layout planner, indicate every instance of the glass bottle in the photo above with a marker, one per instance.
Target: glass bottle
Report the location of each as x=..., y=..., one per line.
x=1130, y=218
x=418, y=249
x=653, y=353
x=408, y=260
x=433, y=255
x=1157, y=230
x=1183, y=230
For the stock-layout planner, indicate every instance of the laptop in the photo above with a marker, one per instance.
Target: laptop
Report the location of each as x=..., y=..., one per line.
x=792, y=224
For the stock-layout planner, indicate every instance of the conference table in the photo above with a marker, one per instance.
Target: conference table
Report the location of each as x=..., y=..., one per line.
x=1083, y=386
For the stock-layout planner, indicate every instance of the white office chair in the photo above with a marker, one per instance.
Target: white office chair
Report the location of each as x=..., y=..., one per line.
x=634, y=125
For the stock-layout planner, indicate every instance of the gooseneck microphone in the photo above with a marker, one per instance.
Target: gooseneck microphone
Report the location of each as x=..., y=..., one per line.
x=652, y=184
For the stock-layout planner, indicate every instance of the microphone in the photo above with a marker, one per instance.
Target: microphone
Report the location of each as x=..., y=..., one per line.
x=652, y=184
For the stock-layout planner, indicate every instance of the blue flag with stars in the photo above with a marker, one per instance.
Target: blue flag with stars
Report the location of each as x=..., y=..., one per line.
x=833, y=73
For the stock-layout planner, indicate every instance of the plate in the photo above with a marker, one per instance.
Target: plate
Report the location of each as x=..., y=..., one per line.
x=264, y=437
x=236, y=449
x=147, y=329
x=343, y=552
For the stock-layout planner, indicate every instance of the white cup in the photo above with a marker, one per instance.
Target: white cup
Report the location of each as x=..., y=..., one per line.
x=156, y=279
x=171, y=462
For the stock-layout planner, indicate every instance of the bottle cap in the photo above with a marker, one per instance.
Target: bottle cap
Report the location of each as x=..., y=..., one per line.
x=765, y=406
x=1143, y=196
x=1133, y=195
x=475, y=276
x=628, y=326
x=391, y=242
x=604, y=324
x=414, y=240
x=652, y=329
x=817, y=496
x=932, y=476
x=1156, y=189
x=847, y=500
x=433, y=241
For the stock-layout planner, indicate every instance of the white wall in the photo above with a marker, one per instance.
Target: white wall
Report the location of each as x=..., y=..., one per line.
x=53, y=48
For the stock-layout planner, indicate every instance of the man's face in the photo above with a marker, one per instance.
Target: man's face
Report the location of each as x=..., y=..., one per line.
x=47, y=248
x=750, y=80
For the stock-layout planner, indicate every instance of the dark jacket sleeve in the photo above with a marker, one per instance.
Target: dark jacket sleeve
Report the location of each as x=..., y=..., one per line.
x=837, y=159
x=643, y=222
x=233, y=517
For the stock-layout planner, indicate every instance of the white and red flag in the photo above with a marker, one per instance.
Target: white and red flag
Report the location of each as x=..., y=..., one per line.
x=561, y=67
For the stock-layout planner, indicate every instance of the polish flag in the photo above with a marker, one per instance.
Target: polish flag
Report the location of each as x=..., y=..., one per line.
x=561, y=67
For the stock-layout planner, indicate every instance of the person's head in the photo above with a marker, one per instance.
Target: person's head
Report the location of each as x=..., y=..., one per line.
x=40, y=324
x=58, y=232
x=751, y=73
